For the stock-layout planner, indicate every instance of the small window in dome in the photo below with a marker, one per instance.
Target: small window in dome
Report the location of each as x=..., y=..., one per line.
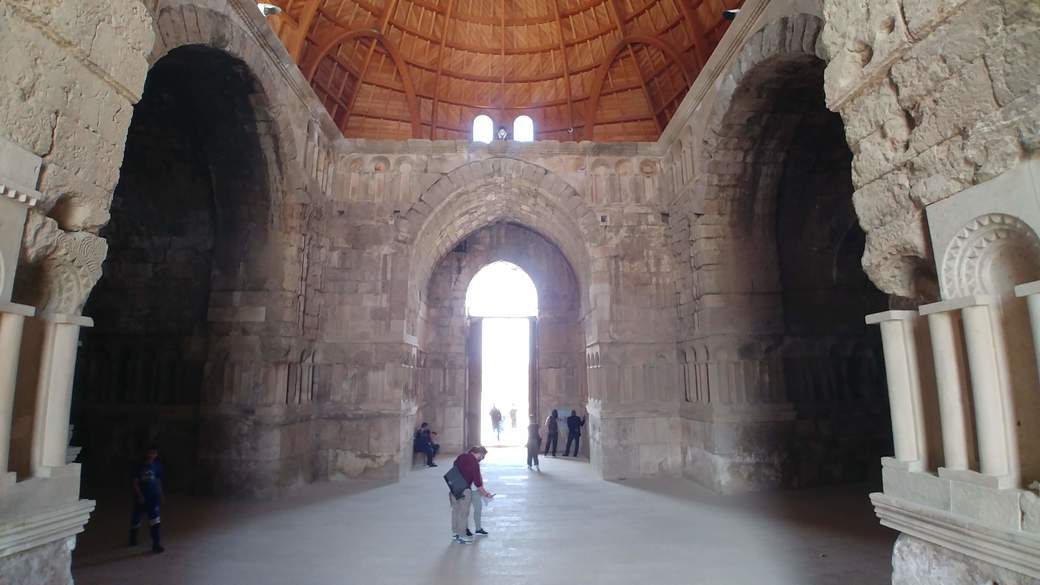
x=483, y=129
x=523, y=129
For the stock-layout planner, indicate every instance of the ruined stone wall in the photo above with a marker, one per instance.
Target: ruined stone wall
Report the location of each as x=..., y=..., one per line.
x=560, y=357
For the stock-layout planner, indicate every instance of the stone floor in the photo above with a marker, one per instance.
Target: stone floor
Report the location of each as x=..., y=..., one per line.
x=560, y=526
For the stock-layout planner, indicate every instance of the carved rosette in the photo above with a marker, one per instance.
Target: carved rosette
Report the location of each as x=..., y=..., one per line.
x=990, y=255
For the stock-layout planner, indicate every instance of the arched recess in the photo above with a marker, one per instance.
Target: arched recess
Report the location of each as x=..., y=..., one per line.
x=788, y=295
x=180, y=25
x=399, y=63
x=193, y=225
x=600, y=77
x=494, y=190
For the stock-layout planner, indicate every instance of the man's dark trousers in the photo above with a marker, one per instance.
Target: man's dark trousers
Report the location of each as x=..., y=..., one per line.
x=550, y=442
x=572, y=438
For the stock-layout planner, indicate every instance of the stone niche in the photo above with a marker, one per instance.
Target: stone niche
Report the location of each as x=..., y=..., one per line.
x=985, y=244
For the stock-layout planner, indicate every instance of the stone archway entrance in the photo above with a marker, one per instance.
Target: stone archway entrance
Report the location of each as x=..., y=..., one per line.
x=450, y=386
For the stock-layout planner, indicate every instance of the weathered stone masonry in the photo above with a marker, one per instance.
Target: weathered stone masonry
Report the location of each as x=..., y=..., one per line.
x=323, y=325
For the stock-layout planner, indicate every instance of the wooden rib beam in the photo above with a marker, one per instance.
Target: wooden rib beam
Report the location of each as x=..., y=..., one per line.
x=696, y=30
x=384, y=20
x=440, y=67
x=502, y=60
x=566, y=67
x=601, y=74
x=399, y=63
x=615, y=12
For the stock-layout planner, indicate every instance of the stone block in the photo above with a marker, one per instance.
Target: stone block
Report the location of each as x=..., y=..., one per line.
x=990, y=506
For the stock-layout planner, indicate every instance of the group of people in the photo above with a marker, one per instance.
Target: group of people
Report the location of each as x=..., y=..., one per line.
x=496, y=420
x=552, y=429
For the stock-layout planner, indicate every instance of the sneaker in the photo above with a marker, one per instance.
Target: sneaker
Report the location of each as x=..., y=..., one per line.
x=482, y=532
x=158, y=550
x=431, y=465
x=460, y=540
x=468, y=533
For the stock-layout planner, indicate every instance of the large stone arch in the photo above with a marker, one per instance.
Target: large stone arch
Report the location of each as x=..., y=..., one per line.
x=181, y=23
x=772, y=300
x=499, y=190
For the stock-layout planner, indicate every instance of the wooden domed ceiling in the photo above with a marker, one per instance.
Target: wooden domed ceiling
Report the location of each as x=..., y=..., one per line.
x=605, y=70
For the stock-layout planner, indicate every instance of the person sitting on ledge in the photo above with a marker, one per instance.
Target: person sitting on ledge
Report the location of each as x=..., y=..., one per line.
x=423, y=443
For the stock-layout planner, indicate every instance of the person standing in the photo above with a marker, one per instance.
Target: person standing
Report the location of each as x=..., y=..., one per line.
x=146, y=481
x=496, y=421
x=552, y=432
x=574, y=424
x=512, y=416
x=468, y=465
x=534, y=443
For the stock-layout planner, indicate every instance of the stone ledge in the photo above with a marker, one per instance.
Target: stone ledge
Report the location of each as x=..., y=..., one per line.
x=1018, y=551
x=40, y=529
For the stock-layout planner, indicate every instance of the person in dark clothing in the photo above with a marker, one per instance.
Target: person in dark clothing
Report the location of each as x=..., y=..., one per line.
x=552, y=432
x=534, y=443
x=496, y=422
x=574, y=424
x=469, y=465
x=146, y=480
x=423, y=443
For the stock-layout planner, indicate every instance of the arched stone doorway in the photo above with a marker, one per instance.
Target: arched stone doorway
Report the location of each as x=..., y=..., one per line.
x=449, y=387
x=188, y=231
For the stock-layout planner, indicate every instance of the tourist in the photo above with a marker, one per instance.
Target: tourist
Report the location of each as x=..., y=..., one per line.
x=534, y=443
x=512, y=417
x=574, y=424
x=552, y=432
x=468, y=465
x=496, y=422
x=146, y=480
x=423, y=443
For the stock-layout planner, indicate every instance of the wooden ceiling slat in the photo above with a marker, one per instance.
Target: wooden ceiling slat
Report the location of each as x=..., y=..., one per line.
x=440, y=67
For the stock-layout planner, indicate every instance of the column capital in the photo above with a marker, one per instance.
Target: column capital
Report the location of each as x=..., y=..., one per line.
x=876, y=318
x=958, y=304
x=16, y=309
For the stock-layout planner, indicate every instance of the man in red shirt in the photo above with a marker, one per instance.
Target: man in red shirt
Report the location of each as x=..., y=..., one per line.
x=469, y=465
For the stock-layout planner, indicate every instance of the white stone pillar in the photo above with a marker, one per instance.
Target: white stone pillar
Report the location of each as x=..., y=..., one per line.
x=952, y=379
x=12, y=317
x=1031, y=290
x=54, y=391
x=994, y=419
x=904, y=386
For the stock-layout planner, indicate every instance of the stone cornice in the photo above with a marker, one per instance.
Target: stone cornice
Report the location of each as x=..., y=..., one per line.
x=32, y=531
x=1019, y=551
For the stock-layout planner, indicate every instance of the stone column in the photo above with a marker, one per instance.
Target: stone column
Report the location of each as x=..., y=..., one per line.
x=904, y=387
x=12, y=317
x=1031, y=291
x=952, y=380
x=54, y=391
x=994, y=416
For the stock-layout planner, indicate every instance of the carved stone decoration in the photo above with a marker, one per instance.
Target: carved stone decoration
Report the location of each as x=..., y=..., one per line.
x=13, y=206
x=990, y=255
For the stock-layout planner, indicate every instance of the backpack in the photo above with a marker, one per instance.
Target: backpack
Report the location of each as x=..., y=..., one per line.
x=456, y=483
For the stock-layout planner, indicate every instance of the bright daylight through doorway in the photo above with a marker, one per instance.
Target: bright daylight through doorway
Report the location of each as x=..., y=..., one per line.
x=504, y=298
